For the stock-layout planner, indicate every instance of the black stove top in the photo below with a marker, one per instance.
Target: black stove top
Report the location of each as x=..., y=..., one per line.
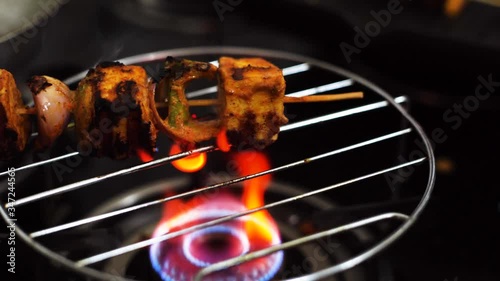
x=435, y=60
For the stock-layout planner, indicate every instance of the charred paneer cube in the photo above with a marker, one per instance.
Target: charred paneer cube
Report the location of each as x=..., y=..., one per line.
x=253, y=90
x=114, y=112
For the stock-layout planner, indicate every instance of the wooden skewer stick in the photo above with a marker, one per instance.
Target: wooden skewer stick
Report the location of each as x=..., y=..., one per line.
x=318, y=98
x=211, y=102
x=26, y=110
x=324, y=98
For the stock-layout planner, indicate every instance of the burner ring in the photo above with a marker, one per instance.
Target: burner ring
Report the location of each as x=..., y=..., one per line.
x=234, y=241
x=181, y=258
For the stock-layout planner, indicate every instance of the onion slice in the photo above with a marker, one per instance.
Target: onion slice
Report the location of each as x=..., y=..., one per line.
x=54, y=105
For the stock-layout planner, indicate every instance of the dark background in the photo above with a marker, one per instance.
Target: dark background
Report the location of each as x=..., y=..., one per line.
x=423, y=53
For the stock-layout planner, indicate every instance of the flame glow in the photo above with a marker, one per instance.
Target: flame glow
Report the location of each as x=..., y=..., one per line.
x=190, y=164
x=180, y=258
x=143, y=155
x=222, y=141
x=251, y=162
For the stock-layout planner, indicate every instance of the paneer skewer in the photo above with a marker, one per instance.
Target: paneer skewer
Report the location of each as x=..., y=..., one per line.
x=251, y=97
x=115, y=107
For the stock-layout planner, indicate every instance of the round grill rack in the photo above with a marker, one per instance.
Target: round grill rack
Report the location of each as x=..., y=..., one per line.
x=296, y=68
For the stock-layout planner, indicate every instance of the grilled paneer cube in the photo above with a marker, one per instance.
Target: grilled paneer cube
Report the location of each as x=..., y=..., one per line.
x=14, y=127
x=253, y=89
x=113, y=113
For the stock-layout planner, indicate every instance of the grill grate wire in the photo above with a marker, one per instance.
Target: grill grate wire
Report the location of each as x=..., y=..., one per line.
x=406, y=220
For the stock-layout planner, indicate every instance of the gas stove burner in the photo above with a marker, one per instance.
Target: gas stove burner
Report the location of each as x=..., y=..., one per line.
x=214, y=244
x=134, y=263
x=380, y=156
x=182, y=257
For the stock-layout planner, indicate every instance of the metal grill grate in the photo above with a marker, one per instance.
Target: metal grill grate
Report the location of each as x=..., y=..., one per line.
x=294, y=65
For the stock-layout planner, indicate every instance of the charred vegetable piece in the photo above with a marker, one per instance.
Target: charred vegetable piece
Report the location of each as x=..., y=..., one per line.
x=253, y=90
x=14, y=127
x=54, y=104
x=179, y=124
x=113, y=112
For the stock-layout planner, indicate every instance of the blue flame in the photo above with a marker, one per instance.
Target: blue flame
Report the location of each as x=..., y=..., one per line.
x=174, y=260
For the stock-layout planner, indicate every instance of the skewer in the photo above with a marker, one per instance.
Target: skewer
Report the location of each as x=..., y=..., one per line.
x=27, y=110
x=62, y=89
x=212, y=102
x=324, y=98
x=286, y=99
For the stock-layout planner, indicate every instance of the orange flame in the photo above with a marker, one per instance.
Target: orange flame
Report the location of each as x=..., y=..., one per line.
x=251, y=162
x=189, y=164
x=222, y=141
x=143, y=155
x=177, y=207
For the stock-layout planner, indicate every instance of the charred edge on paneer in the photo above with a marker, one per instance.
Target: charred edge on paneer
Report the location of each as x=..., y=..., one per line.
x=253, y=109
x=113, y=111
x=14, y=128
